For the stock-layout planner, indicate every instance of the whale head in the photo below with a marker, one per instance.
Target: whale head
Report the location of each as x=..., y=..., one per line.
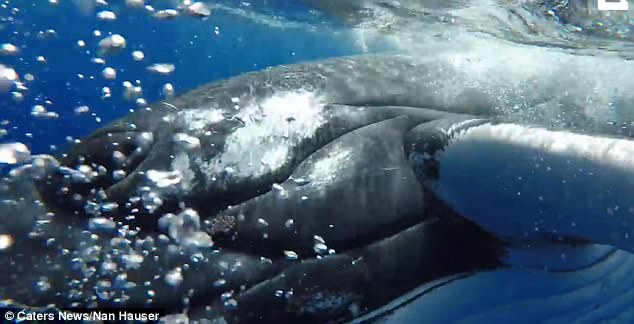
x=262, y=184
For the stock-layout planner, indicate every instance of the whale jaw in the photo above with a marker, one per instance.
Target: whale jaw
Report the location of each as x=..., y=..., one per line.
x=100, y=162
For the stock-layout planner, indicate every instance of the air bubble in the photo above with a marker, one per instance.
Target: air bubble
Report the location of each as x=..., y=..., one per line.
x=199, y=9
x=17, y=96
x=168, y=90
x=81, y=110
x=199, y=240
x=231, y=304
x=166, y=14
x=174, y=277
x=112, y=44
x=290, y=255
x=163, y=179
x=40, y=112
x=106, y=15
x=102, y=289
x=132, y=261
x=101, y=224
x=135, y=3
x=109, y=73
x=13, y=153
x=43, y=285
x=161, y=68
x=320, y=248
x=138, y=56
x=8, y=77
x=9, y=49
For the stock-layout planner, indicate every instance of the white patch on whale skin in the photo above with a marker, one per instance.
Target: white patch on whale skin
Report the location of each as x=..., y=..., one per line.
x=272, y=127
x=274, y=157
x=181, y=164
x=324, y=171
x=197, y=120
x=179, y=178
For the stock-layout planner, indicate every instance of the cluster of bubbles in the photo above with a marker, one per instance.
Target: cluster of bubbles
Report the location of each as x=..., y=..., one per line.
x=18, y=153
x=107, y=266
x=111, y=249
x=104, y=265
x=184, y=228
x=109, y=45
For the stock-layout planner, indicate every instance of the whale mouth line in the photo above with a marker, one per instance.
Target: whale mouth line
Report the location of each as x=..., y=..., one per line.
x=118, y=181
x=132, y=159
x=136, y=161
x=97, y=164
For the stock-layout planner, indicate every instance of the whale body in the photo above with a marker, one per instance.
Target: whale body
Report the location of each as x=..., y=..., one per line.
x=318, y=191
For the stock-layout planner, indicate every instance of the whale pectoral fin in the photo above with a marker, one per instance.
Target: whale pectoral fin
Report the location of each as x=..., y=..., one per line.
x=425, y=141
x=348, y=284
x=529, y=182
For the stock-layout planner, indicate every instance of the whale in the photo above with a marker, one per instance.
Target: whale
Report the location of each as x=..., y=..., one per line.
x=268, y=166
x=323, y=191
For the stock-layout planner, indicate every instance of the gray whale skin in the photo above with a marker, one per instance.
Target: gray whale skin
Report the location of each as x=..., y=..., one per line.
x=327, y=188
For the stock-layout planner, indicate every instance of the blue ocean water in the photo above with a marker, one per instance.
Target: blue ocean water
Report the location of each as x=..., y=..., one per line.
x=225, y=44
